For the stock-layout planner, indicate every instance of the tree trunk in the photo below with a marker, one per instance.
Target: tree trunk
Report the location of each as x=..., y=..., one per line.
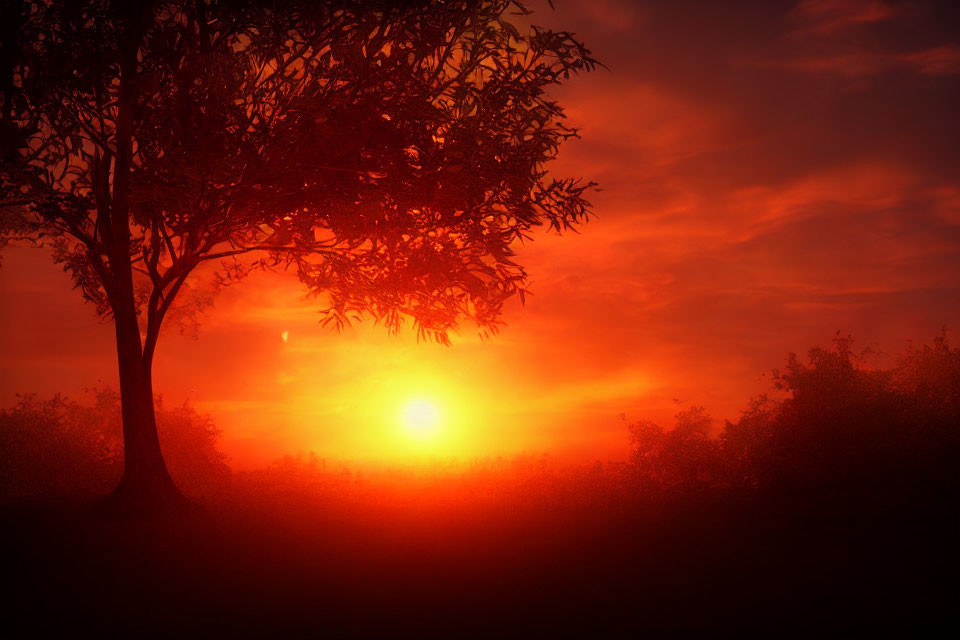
x=146, y=485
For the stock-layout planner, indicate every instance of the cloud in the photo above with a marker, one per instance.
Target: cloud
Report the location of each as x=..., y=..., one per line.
x=648, y=122
x=610, y=15
x=832, y=16
x=938, y=61
x=943, y=60
x=862, y=38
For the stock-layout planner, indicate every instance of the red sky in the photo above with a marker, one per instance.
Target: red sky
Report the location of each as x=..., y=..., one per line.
x=772, y=172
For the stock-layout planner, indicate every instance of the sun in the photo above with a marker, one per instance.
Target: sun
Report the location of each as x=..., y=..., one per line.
x=421, y=419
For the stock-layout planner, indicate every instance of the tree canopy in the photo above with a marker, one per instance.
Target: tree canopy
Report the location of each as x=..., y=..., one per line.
x=390, y=153
x=839, y=428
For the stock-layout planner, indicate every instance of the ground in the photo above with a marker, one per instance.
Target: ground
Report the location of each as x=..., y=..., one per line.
x=312, y=566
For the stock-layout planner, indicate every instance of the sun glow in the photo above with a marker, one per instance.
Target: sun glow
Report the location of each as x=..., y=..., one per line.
x=421, y=419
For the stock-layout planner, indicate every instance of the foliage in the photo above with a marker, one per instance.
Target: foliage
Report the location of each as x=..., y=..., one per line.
x=61, y=447
x=684, y=457
x=842, y=430
x=391, y=154
x=54, y=445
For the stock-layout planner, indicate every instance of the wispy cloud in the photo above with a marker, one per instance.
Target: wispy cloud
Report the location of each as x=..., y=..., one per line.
x=943, y=60
x=832, y=16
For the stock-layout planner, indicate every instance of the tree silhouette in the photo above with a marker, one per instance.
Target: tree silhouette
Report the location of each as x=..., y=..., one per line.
x=390, y=154
x=840, y=433
x=850, y=433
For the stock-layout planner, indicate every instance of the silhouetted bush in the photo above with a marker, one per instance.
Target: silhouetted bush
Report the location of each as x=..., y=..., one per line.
x=520, y=483
x=843, y=431
x=684, y=457
x=57, y=447
x=60, y=447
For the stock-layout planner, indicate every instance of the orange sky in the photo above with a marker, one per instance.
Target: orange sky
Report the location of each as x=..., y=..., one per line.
x=772, y=172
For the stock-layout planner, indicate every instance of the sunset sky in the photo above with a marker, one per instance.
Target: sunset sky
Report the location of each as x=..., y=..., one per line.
x=771, y=173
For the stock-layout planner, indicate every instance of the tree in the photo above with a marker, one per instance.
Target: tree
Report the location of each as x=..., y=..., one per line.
x=850, y=433
x=390, y=154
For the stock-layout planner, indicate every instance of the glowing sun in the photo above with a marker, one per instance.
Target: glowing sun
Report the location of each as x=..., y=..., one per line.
x=421, y=419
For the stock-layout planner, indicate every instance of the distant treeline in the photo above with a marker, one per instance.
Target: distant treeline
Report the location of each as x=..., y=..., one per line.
x=839, y=432
x=841, y=428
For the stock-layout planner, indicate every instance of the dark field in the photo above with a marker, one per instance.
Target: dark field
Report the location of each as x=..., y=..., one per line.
x=442, y=563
